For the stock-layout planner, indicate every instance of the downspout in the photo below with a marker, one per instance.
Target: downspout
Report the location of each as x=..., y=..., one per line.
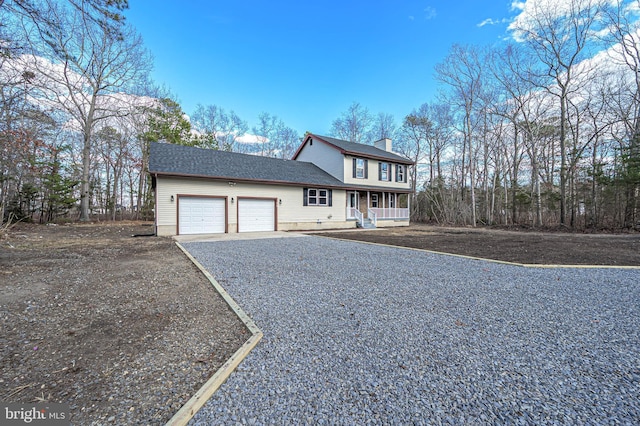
x=154, y=182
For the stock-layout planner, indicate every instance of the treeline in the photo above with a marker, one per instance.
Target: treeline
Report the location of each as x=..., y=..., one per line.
x=78, y=111
x=543, y=131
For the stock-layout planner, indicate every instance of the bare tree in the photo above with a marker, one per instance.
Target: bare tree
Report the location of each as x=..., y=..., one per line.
x=383, y=126
x=274, y=137
x=414, y=134
x=522, y=105
x=353, y=125
x=89, y=67
x=624, y=34
x=462, y=72
x=219, y=129
x=560, y=35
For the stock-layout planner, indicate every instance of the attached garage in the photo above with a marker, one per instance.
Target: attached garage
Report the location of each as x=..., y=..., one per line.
x=201, y=215
x=256, y=215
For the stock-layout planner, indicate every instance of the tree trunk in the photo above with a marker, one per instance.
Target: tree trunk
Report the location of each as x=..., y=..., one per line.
x=514, y=180
x=563, y=159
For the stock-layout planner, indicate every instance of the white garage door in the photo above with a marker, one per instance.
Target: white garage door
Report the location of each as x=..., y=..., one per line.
x=256, y=215
x=201, y=215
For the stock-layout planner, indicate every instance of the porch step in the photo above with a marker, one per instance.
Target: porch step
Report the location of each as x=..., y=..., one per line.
x=367, y=224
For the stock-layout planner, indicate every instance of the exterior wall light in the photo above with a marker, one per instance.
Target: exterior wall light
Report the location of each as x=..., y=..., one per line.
x=280, y=202
x=172, y=198
x=231, y=200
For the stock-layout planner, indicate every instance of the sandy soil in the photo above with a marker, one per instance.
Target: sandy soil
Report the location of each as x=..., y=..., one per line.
x=124, y=329
x=528, y=247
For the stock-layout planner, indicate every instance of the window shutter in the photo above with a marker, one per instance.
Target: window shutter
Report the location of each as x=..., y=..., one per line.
x=366, y=169
x=330, y=195
x=390, y=173
x=396, y=173
x=305, y=193
x=379, y=171
x=354, y=168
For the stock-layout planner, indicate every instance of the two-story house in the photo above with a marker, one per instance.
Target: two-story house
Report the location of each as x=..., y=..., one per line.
x=329, y=184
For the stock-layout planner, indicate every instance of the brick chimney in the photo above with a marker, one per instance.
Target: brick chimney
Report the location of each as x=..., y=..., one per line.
x=383, y=144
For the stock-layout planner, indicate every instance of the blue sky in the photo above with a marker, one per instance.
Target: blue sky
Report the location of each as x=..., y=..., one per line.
x=304, y=61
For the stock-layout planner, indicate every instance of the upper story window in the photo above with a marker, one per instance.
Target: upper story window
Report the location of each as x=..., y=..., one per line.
x=360, y=168
x=401, y=173
x=384, y=171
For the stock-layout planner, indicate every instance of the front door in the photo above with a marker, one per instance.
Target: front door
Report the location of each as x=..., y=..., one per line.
x=352, y=203
x=363, y=201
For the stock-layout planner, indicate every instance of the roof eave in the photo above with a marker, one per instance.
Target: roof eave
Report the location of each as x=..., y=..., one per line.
x=352, y=153
x=246, y=180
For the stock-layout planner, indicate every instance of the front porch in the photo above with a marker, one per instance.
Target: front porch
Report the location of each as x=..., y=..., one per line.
x=375, y=207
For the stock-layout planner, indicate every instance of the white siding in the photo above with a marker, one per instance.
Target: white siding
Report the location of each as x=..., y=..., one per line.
x=291, y=213
x=324, y=156
x=372, y=180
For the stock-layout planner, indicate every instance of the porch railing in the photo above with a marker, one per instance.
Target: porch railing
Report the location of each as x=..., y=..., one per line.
x=390, y=213
x=373, y=216
x=355, y=213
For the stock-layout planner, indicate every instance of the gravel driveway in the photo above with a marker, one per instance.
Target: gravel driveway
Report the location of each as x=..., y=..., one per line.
x=363, y=334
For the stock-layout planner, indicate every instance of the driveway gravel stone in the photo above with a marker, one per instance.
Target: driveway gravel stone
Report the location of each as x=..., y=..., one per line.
x=362, y=334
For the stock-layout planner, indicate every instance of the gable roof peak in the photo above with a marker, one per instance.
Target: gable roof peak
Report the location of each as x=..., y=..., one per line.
x=358, y=149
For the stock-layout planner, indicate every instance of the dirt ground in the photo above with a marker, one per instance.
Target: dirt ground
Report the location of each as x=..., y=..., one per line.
x=124, y=329
x=522, y=246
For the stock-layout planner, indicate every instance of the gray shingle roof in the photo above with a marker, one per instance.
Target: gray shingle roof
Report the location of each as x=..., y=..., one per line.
x=178, y=160
x=369, y=151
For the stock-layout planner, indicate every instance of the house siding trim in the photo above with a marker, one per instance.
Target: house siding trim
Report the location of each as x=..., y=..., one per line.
x=232, y=179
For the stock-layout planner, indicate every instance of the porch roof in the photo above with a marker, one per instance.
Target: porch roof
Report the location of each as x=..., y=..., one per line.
x=363, y=188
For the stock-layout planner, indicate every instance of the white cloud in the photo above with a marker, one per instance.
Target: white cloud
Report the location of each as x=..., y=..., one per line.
x=529, y=10
x=430, y=13
x=491, y=21
x=518, y=5
x=249, y=139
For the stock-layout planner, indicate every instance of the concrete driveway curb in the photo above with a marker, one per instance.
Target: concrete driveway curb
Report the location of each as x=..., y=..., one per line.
x=191, y=407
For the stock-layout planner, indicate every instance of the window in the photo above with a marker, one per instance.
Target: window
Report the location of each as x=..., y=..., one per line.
x=384, y=170
x=360, y=168
x=374, y=201
x=392, y=200
x=322, y=197
x=317, y=197
x=401, y=173
x=313, y=197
